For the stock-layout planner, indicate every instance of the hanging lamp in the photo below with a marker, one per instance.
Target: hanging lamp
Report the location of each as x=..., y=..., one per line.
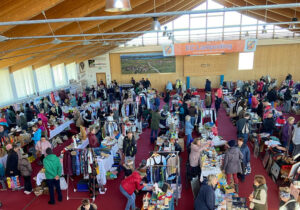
x=118, y=6
x=155, y=24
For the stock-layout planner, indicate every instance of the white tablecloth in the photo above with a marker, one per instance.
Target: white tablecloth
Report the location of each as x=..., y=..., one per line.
x=60, y=128
x=105, y=165
x=84, y=144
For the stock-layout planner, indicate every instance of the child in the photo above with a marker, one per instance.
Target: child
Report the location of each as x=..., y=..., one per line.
x=2, y=177
x=24, y=167
x=37, y=134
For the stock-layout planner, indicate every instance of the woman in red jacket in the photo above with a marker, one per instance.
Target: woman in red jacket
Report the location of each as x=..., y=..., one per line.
x=129, y=185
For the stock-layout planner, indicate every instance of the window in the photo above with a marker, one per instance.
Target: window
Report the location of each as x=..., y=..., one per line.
x=71, y=71
x=59, y=75
x=44, y=78
x=24, y=82
x=6, y=94
x=246, y=61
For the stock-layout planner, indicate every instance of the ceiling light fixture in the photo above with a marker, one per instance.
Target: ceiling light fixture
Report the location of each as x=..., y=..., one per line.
x=118, y=6
x=105, y=43
x=3, y=38
x=155, y=24
x=56, y=41
x=86, y=42
x=247, y=34
x=293, y=25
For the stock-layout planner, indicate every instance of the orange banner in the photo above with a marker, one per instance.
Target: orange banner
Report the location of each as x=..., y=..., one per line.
x=215, y=47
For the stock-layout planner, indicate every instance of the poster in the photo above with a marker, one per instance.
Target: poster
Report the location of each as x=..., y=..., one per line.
x=147, y=63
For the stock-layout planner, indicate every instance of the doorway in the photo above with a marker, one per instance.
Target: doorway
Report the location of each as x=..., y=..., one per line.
x=101, y=76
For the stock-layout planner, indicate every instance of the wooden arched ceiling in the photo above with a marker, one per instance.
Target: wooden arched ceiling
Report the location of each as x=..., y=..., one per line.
x=17, y=54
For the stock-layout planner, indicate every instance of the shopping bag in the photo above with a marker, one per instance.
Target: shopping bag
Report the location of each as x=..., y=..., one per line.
x=63, y=183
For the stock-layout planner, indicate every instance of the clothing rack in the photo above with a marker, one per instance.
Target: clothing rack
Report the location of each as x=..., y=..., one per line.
x=74, y=189
x=177, y=168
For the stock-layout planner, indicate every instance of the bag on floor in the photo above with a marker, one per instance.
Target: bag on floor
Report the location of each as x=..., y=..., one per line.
x=63, y=183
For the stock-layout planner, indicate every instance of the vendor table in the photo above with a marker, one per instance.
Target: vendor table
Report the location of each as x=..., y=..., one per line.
x=60, y=128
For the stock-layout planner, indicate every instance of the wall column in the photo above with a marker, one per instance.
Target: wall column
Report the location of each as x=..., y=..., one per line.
x=13, y=85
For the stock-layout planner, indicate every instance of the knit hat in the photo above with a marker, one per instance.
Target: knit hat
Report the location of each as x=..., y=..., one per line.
x=8, y=147
x=231, y=143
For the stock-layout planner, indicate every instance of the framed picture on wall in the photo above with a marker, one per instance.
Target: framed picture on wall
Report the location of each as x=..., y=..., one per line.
x=91, y=63
x=145, y=63
x=81, y=67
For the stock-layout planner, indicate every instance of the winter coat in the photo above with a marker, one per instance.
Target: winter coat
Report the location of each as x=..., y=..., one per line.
x=155, y=118
x=287, y=132
x=12, y=164
x=29, y=114
x=129, y=147
x=232, y=161
x=269, y=125
x=24, y=167
x=73, y=102
x=132, y=183
x=52, y=166
x=287, y=95
x=296, y=136
x=257, y=194
x=192, y=111
x=246, y=154
x=254, y=102
x=93, y=141
x=240, y=124
x=188, y=128
x=207, y=85
x=205, y=199
x=37, y=136
x=22, y=122
x=272, y=96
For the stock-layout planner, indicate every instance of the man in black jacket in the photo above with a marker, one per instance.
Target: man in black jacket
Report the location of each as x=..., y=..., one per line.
x=287, y=101
x=272, y=96
x=243, y=127
x=269, y=124
x=129, y=147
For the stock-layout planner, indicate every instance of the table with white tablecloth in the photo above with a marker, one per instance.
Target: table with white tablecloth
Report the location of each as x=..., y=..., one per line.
x=60, y=128
x=105, y=165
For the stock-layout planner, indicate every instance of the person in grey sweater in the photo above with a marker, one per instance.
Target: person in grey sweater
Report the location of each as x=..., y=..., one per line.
x=296, y=139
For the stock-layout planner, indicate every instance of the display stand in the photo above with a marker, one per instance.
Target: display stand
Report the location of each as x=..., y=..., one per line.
x=177, y=169
x=74, y=189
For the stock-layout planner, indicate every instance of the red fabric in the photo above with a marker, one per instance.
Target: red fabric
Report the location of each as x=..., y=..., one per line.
x=254, y=102
x=219, y=93
x=93, y=141
x=235, y=178
x=132, y=183
x=267, y=111
x=260, y=86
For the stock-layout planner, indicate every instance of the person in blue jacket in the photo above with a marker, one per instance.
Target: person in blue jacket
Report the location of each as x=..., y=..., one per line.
x=206, y=199
x=246, y=158
x=37, y=134
x=188, y=130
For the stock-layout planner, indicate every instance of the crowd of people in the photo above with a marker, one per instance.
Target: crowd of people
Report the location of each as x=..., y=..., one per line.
x=261, y=97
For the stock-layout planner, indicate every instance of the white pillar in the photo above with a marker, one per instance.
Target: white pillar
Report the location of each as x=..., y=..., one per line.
x=36, y=84
x=52, y=76
x=13, y=86
x=65, y=71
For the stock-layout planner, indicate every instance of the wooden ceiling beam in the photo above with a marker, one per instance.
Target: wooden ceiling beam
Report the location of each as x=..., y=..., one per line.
x=66, y=9
x=37, y=59
x=73, y=28
x=143, y=28
x=286, y=2
x=134, y=25
x=15, y=10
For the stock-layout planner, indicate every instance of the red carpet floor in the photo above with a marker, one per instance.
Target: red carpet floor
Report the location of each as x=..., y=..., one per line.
x=114, y=200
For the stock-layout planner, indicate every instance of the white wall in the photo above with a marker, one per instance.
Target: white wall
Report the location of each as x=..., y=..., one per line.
x=102, y=65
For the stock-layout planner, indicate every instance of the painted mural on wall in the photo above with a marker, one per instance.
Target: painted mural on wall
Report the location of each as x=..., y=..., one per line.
x=146, y=63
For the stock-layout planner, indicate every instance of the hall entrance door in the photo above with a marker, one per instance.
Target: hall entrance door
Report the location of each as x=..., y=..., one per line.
x=101, y=76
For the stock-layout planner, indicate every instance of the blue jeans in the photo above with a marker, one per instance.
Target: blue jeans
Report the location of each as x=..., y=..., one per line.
x=189, y=139
x=193, y=120
x=130, y=199
x=152, y=138
x=244, y=136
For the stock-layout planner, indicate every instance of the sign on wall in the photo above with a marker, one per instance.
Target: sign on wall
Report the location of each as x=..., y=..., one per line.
x=146, y=63
x=215, y=47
